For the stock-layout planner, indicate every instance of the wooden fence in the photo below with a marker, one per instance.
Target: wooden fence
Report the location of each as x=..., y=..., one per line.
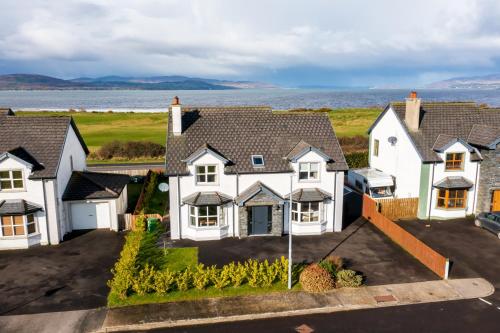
x=128, y=220
x=396, y=209
x=426, y=255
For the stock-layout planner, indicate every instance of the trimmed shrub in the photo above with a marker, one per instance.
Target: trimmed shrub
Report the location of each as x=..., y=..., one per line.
x=163, y=281
x=237, y=274
x=282, y=268
x=349, y=278
x=268, y=273
x=253, y=273
x=183, y=280
x=332, y=264
x=314, y=278
x=201, y=277
x=220, y=278
x=357, y=159
x=144, y=282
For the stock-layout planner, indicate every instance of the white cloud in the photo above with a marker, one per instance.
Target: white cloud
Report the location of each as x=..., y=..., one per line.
x=211, y=37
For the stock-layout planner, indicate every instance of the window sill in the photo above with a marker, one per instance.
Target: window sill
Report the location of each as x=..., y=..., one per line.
x=207, y=184
x=13, y=191
x=308, y=223
x=450, y=209
x=309, y=180
x=20, y=236
x=209, y=228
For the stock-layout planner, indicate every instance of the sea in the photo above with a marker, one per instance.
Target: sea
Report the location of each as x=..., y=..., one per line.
x=280, y=99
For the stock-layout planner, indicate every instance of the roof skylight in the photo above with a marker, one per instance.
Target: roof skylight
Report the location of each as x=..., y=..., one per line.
x=257, y=160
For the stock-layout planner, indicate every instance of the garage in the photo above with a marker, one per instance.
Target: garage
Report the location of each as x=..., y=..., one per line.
x=90, y=215
x=94, y=200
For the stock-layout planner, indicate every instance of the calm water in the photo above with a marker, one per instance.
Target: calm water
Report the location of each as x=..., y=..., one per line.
x=140, y=100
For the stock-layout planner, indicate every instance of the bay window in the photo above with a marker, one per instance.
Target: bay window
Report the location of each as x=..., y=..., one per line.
x=206, y=216
x=11, y=180
x=306, y=211
x=18, y=225
x=309, y=171
x=206, y=174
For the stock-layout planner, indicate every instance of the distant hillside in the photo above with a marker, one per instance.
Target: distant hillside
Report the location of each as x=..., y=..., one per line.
x=491, y=81
x=41, y=82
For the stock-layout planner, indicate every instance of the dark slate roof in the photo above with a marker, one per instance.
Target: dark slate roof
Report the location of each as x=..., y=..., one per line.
x=255, y=189
x=237, y=133
x=309, y=194
x=454, y=182
x=38, y=140
x=85, y=185
x=207, y=199
x=17, y=207
x=484, y=135
x=449, y=119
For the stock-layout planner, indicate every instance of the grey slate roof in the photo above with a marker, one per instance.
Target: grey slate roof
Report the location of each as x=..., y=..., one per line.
x=446, y=119
x=309, y=194
x=255, y=189
x=484, y=135
x=85, y=185
x=38, y=140
x=17, y=207
x=454, y=182
x=207, y=199
x=240, y=132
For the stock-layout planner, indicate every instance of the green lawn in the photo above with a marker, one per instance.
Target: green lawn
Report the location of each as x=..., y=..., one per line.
x=177, y=259
x=158, y=204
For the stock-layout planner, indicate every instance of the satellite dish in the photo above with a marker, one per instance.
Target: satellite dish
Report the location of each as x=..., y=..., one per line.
x=392, y=140
x=163, y=187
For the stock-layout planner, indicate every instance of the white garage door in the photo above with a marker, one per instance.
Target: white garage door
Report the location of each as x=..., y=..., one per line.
x=90, y=215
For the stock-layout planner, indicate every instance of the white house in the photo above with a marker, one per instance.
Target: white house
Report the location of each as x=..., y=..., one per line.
x=231, y=171
x=429, y=151
x=45, y=191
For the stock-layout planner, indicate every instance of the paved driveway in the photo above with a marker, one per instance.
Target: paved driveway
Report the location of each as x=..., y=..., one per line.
x=69, y=276
x=366, y=249
x=473, y=252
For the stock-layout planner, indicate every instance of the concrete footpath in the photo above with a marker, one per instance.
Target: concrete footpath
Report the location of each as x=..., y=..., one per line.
x=215, y=310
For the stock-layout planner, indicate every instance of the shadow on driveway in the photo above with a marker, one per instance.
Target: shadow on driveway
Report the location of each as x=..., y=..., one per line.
x=68, y=276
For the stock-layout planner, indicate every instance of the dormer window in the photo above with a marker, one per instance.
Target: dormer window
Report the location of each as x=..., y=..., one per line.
x=454, y=161
x=206, y=174
x=257, y=161
x=11, y=180
x=308, y=171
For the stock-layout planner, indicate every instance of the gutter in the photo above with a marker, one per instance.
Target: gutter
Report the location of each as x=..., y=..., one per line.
x=335, y=200
x=179, y=205
x=46, y=212
x=235, y=206
x=476, y=189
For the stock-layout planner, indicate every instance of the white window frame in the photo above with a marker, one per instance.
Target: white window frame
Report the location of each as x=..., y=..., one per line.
x=194, y=215
x=308, y=170
x=26, y=223
x=12, y=180
x=299, y=211
x=258, y=165
x=206, y=173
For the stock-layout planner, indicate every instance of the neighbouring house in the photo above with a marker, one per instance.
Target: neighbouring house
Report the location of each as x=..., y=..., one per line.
x=444, y=153
x=231, y=171
x=45, y=191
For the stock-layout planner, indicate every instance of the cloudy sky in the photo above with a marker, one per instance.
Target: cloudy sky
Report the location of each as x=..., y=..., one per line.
x=292, y=43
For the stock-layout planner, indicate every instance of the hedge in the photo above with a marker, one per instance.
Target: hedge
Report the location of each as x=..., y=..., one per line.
x=357, y=159
x=129, y=150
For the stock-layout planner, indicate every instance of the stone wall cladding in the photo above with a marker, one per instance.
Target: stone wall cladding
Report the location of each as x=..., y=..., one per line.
x=489, y=178
x=277, y=219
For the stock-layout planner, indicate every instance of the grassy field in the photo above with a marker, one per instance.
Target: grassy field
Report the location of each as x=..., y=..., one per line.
x=98, y=128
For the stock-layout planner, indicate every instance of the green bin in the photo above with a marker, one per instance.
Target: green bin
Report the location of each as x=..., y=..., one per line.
x=152, y=224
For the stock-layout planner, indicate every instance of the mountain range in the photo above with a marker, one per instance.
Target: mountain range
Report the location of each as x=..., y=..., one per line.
x=491, y=81
x=43, y=82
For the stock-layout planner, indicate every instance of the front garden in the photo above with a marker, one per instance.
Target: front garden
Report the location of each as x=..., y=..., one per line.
x=146, y=273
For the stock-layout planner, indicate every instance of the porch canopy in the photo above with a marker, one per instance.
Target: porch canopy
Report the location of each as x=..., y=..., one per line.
x=258, y=193
x=453, y=182
x=207, y=199
x=309, y=195
x=17, y=207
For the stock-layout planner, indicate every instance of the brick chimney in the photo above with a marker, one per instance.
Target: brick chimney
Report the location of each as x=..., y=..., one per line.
x=412, y=113
x=176, y=110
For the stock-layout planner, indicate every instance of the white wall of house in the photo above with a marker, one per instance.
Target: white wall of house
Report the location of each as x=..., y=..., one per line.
x=73, y=158
x=233, y=185
x=400, y=160
x=468, y=172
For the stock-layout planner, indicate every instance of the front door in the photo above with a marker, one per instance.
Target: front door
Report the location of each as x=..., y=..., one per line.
x=495, y=202
x=261, y=220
